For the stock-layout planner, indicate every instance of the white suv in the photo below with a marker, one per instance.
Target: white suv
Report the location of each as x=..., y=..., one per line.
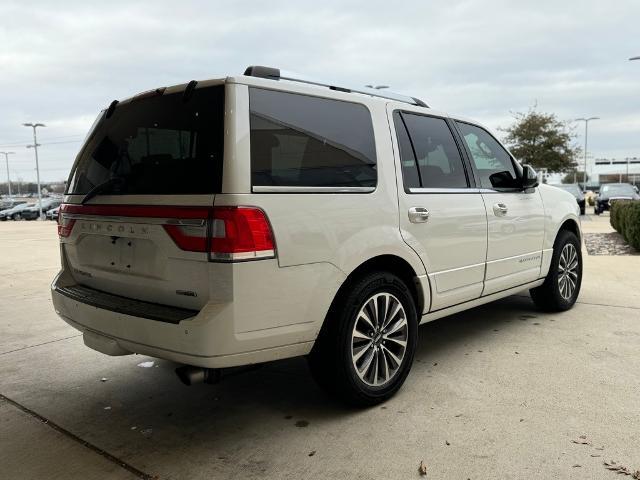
x=245, y=219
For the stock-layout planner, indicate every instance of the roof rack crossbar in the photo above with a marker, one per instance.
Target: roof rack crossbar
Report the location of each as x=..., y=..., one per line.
x=277, y=74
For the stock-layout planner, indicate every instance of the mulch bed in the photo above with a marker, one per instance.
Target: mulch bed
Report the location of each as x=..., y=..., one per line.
x=608, y=244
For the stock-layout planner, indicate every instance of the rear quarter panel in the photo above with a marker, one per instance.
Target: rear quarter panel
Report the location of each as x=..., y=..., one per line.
x=344, y=229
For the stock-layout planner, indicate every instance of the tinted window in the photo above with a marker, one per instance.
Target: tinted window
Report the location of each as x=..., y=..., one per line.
x=438, y=160
x=303, y=141
x=410, y=175
x=157, y=144
x=612, y=190
x=493, y=163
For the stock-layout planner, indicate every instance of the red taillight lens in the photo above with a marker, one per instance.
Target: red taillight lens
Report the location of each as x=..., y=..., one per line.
x=227, y=233
x=192, y=238
x=65, y=224
x=237, y=233
x=241, y=233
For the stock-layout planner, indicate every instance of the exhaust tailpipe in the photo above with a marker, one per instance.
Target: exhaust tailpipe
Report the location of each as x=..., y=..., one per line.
x=190, y=375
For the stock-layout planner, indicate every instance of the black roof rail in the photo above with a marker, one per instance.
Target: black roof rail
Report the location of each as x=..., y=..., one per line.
x=272, y=73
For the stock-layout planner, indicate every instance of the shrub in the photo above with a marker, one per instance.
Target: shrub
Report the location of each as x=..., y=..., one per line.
x=625, y=219
x=632, y=225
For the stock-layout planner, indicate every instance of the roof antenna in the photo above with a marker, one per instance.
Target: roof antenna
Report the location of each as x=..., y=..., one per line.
x=188, y=91
x=111, y=109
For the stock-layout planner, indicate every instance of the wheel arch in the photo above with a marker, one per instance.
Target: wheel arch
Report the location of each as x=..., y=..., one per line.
x=570, y=224
x=393, y=264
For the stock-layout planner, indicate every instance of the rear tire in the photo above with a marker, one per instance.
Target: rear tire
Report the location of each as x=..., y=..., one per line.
x=366, y=347
x=561, y=287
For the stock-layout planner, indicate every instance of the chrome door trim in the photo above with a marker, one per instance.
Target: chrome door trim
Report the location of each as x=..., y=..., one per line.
x=445, y=190
x=418, y=215
x=283, y=189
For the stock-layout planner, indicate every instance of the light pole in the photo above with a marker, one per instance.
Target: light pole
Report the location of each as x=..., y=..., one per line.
x=35, y=148
x=6, y=158
x=586, y=133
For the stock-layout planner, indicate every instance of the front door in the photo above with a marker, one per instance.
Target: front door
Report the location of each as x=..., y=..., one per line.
x=441, y=216
x=515, y=217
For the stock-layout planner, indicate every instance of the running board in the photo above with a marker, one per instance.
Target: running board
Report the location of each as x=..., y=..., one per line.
x=429, y=317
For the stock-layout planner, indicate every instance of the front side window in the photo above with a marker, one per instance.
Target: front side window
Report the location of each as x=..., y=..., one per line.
x=304, y=141
x=429, y=155
x=492, y=162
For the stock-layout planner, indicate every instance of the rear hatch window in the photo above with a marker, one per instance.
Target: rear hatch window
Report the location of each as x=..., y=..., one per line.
x=155, y=144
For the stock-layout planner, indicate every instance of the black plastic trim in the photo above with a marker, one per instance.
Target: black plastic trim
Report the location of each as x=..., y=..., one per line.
x=125, y=305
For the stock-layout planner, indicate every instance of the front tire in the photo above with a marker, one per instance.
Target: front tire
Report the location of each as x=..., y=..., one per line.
x=366, y=347
x=561, y=287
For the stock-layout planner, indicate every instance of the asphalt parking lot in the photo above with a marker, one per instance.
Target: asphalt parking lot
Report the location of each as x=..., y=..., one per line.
x=501, y=391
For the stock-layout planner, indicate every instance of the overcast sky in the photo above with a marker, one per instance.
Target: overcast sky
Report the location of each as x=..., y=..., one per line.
x=61, y=62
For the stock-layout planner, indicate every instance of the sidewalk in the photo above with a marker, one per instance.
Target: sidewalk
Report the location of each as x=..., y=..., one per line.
x=500, y=391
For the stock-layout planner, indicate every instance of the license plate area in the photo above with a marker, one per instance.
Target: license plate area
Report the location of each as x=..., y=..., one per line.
x=118, y=247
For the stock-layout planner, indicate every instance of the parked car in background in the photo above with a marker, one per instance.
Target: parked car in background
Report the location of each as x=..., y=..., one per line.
x=575, y=190
x=7, y=204
x=34, y=211
x=610, y=192
x=253, y=218
x=14, y=213
x=52, y=214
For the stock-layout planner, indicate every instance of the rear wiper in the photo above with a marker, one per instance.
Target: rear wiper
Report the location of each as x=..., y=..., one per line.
x=100, y=188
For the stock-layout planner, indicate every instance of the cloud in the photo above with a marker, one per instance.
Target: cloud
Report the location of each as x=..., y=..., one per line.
x=64, y=61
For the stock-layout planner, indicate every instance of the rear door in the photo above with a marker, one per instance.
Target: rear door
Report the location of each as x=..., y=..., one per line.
x=147, y=174
x=515, y=217
x=442, y=215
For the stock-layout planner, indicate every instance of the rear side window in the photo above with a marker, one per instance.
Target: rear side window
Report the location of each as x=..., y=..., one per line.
x=155, y=144
x=303, y=141
x=433, y=159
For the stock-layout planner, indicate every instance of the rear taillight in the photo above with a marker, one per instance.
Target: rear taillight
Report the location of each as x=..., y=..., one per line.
x=230, y=233
x=65, y=224
x=225, y=233
x=240, y=233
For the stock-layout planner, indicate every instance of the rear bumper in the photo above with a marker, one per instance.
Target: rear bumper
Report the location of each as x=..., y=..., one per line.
x=294, y=299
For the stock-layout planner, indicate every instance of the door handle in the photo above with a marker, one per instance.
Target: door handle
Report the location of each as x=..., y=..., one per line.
x=500, y=209
x=418, y=214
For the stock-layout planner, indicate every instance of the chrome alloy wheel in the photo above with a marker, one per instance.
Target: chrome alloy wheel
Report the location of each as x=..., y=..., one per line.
x=568, y=271
x=379, y=339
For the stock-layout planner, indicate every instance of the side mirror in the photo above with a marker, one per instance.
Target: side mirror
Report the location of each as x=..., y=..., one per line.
x=529, y=177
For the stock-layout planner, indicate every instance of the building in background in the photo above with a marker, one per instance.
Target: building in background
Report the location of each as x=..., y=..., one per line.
x=616, y=170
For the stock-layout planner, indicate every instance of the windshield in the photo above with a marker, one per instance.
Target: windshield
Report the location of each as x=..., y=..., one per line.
x=156, y=144
x=613, y=190
x=571, y=188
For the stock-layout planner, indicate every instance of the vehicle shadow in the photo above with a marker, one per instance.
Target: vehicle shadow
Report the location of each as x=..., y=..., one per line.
x=158, y=424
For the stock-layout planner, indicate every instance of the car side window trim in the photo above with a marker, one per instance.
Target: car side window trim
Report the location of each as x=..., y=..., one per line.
x=472, y=163
x=293, y=189
x=451, y=190
x=469, y=174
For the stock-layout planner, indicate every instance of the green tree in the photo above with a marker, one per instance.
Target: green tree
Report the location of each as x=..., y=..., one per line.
x=542, y=141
